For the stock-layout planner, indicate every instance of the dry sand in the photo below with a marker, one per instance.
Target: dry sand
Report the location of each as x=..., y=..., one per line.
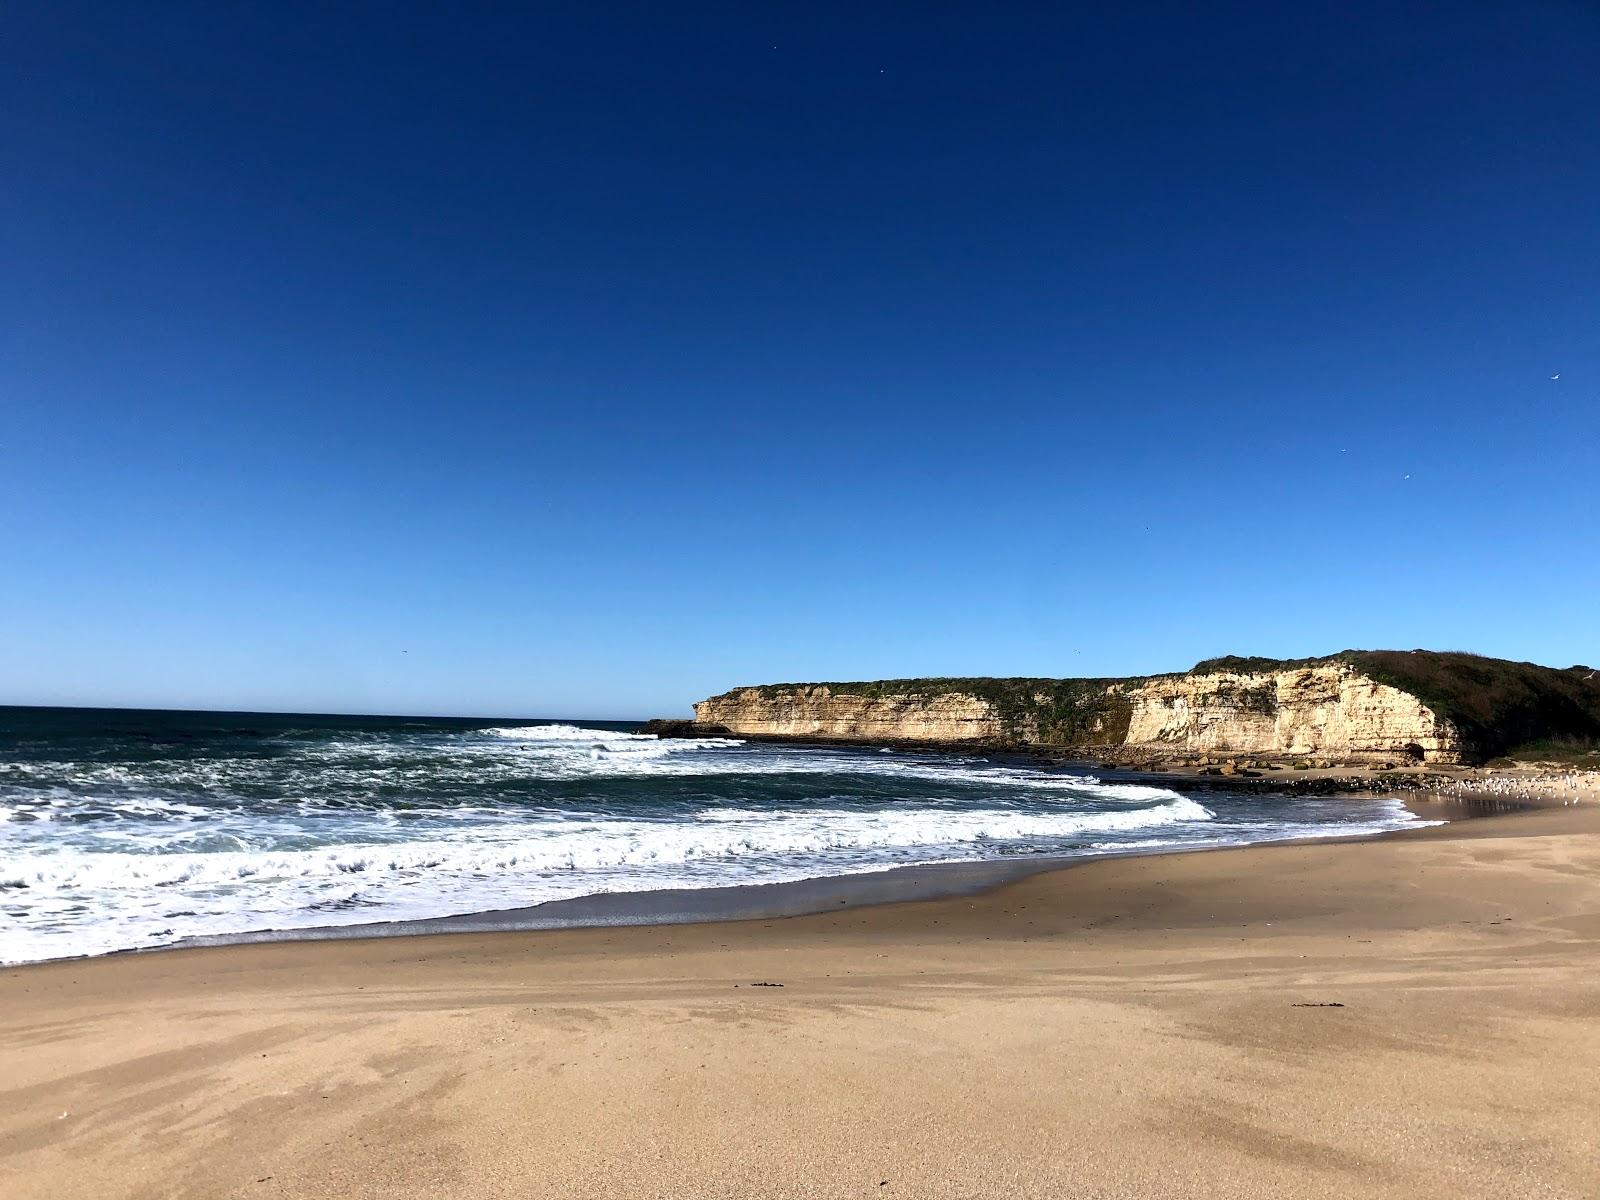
x=1121, y=1028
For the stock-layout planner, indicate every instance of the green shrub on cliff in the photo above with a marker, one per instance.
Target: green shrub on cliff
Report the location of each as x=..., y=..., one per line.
x=1497, y=705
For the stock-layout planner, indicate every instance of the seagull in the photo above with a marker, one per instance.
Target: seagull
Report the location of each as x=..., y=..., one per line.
x=1555, y=377
x=1408, y=477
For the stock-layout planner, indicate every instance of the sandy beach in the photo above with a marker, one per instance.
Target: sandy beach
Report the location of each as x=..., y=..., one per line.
x=1417, y=1015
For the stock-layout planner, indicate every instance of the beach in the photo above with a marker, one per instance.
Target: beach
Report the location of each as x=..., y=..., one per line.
x=1413, y=1015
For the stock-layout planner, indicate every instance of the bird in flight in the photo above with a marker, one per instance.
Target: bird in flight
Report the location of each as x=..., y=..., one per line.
x=1556, y=376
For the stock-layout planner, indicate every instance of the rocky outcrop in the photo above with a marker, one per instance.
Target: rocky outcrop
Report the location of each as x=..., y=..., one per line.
x=676, y=727
x=1354, y=706
x=1332, y=710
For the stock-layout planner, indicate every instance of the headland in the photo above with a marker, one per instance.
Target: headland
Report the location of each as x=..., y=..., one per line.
x=1366, y=708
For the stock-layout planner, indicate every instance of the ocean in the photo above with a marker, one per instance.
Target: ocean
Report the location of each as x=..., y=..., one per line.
x=128, y=829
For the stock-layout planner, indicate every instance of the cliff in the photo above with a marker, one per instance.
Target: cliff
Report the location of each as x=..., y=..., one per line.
x=1351, y=706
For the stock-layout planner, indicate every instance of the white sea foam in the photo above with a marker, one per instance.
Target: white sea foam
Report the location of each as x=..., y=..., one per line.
x=569, y=845
x=364, y=827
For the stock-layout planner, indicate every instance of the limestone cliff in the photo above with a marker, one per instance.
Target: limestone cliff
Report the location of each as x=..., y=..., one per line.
x=1331, y=710
x=807, y=710
x=1351, y=706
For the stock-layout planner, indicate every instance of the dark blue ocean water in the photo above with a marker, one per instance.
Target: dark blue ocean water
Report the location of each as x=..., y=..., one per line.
x=123, y=828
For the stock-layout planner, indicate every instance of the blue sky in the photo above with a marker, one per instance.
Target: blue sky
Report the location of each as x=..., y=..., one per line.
x=555, y=360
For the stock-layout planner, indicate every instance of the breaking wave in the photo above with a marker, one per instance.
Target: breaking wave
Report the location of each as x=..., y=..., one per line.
x=116, y=842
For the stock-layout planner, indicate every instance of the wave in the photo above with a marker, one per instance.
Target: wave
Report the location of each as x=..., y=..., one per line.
x=583, y=845
x=602, y=737
x=557, y=732
x=495, y=757
x=612, y=751
x=142, y=848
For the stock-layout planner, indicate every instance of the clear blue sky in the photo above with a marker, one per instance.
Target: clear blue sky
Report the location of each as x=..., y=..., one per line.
x=584, y=360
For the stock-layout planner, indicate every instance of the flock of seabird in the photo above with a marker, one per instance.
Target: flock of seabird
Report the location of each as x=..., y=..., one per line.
x=1570, y=787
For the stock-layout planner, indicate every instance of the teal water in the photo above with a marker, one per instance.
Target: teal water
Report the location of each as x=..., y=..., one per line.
x=125, y=829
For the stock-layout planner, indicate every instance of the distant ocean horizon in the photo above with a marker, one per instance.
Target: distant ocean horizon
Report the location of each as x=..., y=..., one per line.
x=137, y=828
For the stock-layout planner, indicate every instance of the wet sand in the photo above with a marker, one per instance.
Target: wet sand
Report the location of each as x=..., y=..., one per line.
x=1417, y=1015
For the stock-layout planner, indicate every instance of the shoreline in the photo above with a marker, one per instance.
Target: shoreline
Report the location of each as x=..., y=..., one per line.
x=1398, y=1016
x=793, y=888
x=651, y=907
x=908, y=884
x=911, y=883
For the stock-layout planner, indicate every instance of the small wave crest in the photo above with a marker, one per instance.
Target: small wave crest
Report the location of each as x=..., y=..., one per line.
x=565, y=845
x=558, y=732
x=562, y=739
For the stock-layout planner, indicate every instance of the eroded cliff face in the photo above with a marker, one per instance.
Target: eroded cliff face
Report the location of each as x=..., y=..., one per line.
x=808, y=710
x=1325, y=710
x=1330, y=709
